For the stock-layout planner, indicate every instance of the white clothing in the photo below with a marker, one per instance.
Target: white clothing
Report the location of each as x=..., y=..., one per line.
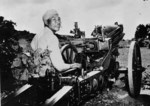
x=49, y=41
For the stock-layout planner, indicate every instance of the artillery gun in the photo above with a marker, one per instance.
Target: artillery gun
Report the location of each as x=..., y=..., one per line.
x=98, y=58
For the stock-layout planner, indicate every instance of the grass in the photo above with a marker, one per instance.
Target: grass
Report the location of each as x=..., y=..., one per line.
x=145, y=55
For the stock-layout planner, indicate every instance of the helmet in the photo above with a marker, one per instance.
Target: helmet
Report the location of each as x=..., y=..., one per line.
x=48, y=15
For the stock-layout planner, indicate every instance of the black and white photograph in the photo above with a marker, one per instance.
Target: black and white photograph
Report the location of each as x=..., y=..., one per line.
x=75, y=52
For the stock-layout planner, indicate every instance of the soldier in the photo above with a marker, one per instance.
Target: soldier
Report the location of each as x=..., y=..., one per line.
x=48, y=40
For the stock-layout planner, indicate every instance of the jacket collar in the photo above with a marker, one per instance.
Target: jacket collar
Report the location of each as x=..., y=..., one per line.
x=48, y=31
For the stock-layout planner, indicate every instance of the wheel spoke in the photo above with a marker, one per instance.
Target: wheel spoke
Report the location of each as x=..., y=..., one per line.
x=139, y=57
x=69, y=52
x=64, y=56
x=71, y=55
x=67, y=55
x=134, y=58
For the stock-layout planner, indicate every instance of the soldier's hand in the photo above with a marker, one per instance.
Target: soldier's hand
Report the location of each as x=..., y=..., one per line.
x=75, y=65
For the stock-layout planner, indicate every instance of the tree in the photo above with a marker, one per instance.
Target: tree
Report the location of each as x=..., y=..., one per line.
x=148, y=31
x=6, y=41
x=141, y=32
x=9, y=45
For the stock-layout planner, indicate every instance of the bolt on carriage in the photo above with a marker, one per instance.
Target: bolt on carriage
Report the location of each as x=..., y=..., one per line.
x=98, y=58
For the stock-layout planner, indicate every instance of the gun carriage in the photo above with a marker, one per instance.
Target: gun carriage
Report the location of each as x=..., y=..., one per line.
x=98, y=58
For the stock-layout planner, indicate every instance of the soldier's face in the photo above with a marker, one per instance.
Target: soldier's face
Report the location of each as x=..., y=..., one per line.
x=55, y=23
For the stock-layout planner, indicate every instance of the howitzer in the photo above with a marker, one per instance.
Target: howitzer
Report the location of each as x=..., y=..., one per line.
x=95, y=55
x=97, y=49
x=98, y=58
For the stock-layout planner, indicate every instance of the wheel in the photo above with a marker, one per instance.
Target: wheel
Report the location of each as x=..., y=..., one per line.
x=68, y=52
x=134, y=70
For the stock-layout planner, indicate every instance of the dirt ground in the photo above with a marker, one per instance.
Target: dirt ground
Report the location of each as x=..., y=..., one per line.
x=119, y=96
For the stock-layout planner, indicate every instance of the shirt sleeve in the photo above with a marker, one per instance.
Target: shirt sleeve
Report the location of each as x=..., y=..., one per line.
x=56, y=56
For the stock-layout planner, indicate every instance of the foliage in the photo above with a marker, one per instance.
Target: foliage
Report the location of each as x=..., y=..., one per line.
x=142, y=33
x=9, y=45
x=31, y=64
x=148, y=31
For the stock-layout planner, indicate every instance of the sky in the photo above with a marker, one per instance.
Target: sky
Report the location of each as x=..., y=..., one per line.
x=27, y=14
